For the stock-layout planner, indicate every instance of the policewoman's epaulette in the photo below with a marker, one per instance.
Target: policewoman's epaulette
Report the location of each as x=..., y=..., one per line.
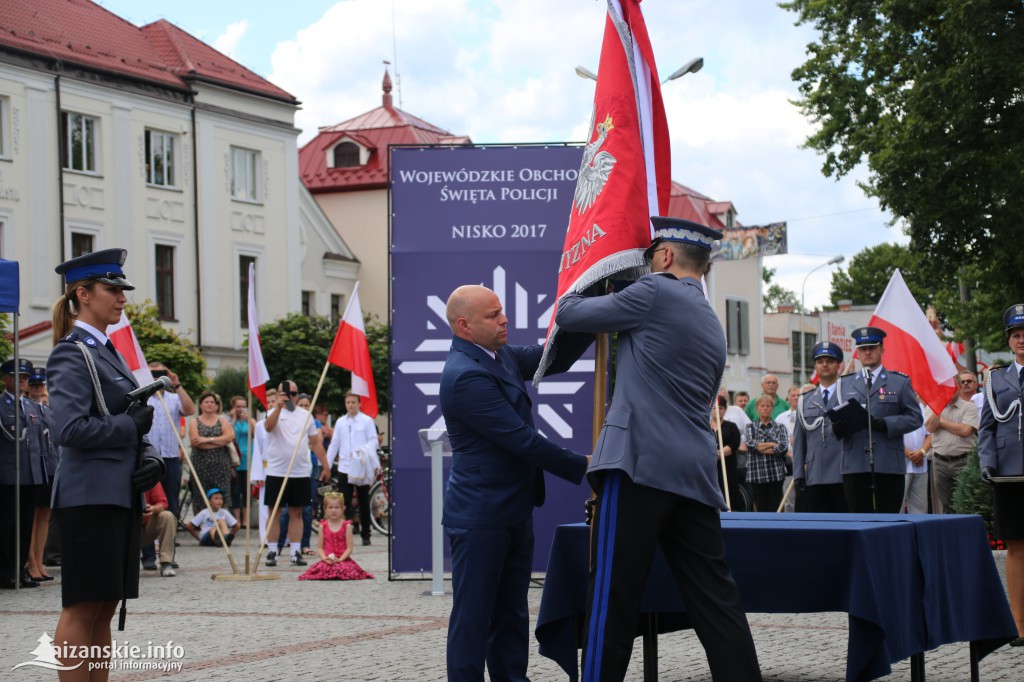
x=850, y=374
x=70, y=338
x=892, y=371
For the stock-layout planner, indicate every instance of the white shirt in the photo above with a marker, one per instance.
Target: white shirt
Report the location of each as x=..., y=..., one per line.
x=736, y=415
x=100, y=336
x=351, y=434
x=913, y=442
x=258, y=466
x=162, y=433
x=979, y=401
x=788, y=419
x=281, y=444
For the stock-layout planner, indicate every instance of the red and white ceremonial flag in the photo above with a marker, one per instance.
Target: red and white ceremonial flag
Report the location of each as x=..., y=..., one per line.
x=912, y=347
x=258, y=374
x=123, y=337
x=625, y=175
x=351, y=351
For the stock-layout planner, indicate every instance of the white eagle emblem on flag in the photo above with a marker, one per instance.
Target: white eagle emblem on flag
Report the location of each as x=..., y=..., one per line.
x=595, y=168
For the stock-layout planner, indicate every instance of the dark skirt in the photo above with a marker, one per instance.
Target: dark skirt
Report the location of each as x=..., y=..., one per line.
x=43, y=495
x=1008, y=508
x=98, y=543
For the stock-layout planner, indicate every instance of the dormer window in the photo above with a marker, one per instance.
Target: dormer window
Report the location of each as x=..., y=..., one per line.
x=346, y=155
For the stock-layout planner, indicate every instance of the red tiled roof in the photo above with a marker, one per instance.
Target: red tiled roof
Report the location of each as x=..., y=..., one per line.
x=374, y=130
x=690, y=204
x=81, y=32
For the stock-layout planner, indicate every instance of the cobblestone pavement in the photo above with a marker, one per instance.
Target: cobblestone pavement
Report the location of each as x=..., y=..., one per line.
x=379, y=630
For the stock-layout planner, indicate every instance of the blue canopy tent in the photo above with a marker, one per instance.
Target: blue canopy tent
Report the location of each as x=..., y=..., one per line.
x=9, y=299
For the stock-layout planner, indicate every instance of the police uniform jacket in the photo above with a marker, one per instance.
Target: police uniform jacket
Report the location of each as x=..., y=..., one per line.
x=49, y=449
x=999, y=442
x=892, y=399
x=33, y=468
x=669, y=361
x=817, y=453
x=498, y=457
x=98, y=453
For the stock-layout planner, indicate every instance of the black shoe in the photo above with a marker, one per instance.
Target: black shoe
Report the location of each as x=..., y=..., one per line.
x=26, y=582
x=366, y=541
x=41, y=578
x=1017, y=642
x=272, y=559
x=149, y=565
x=297, y=559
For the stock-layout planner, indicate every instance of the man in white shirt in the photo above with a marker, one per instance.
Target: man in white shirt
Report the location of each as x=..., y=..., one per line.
x=915, y=493
x=258, y=464
x=355, y=436
x=286, y=426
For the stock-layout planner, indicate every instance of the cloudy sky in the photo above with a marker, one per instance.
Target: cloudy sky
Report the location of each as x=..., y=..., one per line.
x=502, y=71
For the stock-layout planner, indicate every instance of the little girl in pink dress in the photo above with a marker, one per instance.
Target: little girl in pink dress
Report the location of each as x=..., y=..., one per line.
x=335, y=546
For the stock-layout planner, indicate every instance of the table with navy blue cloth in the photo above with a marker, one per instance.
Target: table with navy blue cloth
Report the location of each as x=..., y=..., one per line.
x=909, y=583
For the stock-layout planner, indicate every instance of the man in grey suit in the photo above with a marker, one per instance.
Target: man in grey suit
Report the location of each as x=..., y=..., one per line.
x=817, y=453
x=873, y=472
x=653, y=467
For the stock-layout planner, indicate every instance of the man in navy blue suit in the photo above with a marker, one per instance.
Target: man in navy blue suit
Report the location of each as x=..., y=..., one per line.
x=495, y=482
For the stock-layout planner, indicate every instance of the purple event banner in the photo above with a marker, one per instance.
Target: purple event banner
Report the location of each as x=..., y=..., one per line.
x=491, y=215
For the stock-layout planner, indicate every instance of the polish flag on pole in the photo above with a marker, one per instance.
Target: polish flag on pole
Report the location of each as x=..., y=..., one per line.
x=351, y=351
x=625, y=174
x=258, y=374
x=912, y=347
x=124, y=340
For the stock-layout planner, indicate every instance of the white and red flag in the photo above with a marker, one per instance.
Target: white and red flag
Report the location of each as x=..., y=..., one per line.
x=123, y=337
x=258, y=374
x=351, y=351
x=912, y=347
x=625, y=175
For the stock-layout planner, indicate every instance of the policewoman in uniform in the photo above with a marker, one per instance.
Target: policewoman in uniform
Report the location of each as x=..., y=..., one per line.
x=101, y=476
x=894, y=411
x=1001, y=449
x=16, y=525
x=817, y=452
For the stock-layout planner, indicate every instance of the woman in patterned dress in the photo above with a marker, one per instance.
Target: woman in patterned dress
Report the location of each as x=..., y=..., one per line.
x=335, y=546
x=210, y=433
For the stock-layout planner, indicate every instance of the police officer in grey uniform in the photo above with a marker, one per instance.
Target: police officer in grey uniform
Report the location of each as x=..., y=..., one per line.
x=17, y=508
x=873, y=477
x=105, y=463
x=817, y=453
x=654, y=465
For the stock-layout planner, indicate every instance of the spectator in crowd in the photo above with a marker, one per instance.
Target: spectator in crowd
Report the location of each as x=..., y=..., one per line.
x=210, y=434
x=788, y=419
x=915, y=493
x=41, y=519
x=286, y=425
x=207, y=527
x=164, y=437
x=817, y=453
x=730, y=443
x=241, y=424
x=767, y=444
x=335, y=546
x=735, y=412
x=770, y=388
x=970, y=389
x=258, y=466
x=158, y=523
x=954, y=435
x=304, y=401
x=355, y=434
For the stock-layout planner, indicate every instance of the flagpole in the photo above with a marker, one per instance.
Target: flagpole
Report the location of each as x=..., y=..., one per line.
x=195, y=477
x=248, y=476
x=721, y=456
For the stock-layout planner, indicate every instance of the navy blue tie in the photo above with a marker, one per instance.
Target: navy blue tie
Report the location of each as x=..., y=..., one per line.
x=824, y=396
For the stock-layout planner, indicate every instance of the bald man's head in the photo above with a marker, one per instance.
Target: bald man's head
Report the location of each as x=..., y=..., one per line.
x=474, y=313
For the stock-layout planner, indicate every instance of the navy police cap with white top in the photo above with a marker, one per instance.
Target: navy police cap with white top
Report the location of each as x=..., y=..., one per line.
x=37, y=377
x=8, y=367
x=683, y=231
x=867, y=336
x=101, y=266
x=1013, y=318
x=824, y=349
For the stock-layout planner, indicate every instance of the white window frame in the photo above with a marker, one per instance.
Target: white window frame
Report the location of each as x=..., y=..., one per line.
x=166, y=140
x=91, y=131
x=5, y=128
x=82, y=227
x=175, y=242
x=246, y=167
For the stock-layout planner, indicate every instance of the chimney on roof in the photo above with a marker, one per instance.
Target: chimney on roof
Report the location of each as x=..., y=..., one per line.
x=387, y=90
x=845, y=305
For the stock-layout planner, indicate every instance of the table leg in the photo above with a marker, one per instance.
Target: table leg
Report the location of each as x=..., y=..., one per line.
x=975, y=675
x=650, y=647
x=917, y=667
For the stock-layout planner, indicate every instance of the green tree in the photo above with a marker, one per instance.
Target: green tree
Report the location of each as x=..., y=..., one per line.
x=6, y=349
x=870, y=270
x=775, y=294
x=160, y=344
x=230, y=381
x=928, y=94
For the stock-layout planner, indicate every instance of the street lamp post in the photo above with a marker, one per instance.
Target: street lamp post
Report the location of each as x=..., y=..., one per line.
x=803, y=309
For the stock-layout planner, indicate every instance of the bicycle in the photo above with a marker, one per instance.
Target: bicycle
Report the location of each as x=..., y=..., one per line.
x=379, y=495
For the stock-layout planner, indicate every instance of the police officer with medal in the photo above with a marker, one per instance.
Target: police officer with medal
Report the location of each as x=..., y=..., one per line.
x=105, y=464
x=817, y=452
x=874, y=468
x=1001, y=449
x=17, y=508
